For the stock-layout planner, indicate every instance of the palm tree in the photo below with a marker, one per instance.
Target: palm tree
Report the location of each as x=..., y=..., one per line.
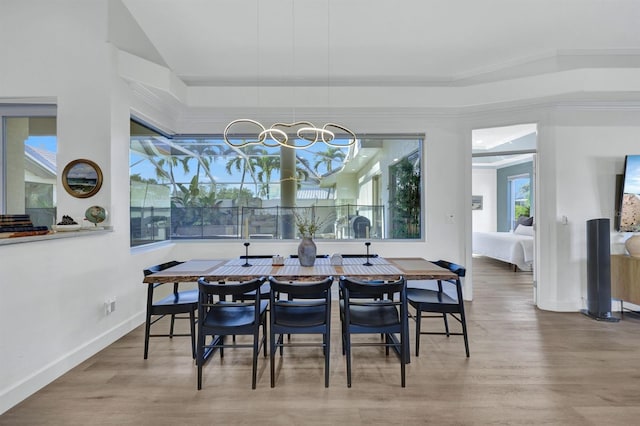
x=246, y=163
x=165, y=166
x=305, y=172
x=301, y=175
x=203, y=155
x=326, y=158
x=267, y=165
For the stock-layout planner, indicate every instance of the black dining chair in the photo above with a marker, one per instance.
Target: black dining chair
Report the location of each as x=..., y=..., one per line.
x=306, y=310
x=387, y=316
x=437, y=303
x=218, y=318
x=174, y=304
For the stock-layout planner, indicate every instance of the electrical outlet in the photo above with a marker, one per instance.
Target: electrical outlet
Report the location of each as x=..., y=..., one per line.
x=451, y=218
x=109, y=306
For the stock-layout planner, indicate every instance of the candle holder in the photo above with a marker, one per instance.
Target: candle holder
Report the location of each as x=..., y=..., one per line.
x=367, y=263
x=246, y=255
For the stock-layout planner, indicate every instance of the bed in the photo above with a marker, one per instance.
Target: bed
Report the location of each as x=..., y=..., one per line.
x=514, y=247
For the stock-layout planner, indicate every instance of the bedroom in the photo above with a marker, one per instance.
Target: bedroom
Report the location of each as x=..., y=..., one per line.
x=503, y=200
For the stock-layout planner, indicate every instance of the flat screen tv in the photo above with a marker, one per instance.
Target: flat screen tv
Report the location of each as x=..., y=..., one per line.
x=630, y=199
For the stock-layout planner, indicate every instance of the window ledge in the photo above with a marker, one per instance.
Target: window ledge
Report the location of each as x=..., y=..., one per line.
x=56, y=235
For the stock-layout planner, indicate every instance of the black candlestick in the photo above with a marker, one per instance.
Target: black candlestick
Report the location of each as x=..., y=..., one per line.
x=367, y=263
x=246, y=255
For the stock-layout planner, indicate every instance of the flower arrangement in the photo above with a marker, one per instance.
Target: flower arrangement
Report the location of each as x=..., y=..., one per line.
x=307, y=226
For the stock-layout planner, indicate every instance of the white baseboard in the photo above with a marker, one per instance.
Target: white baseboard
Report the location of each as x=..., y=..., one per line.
x=17, y=392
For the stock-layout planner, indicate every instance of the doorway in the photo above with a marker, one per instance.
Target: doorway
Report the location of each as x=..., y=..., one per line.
x=504, y=198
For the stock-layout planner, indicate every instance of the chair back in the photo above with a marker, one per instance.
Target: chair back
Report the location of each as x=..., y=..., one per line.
x=213, y=296
x=161, y=267
x=221, y=290
x=157, y=268
x=363, y=295
x=303, y=290
x=308, y=304
x=459, y=270
x=351, y=287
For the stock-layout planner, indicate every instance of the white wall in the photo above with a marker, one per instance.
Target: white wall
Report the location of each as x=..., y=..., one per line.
x=483, y=183
x=588, y=146
x=52, y=292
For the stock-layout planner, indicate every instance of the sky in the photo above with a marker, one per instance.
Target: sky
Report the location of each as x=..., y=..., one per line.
x=146, y=169
x=43, y=142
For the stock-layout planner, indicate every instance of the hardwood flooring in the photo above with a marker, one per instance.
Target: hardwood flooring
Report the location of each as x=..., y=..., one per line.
x=527, y=366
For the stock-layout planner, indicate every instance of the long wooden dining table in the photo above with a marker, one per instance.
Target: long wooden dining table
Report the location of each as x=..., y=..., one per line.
x=244, y=269
x=381, y=268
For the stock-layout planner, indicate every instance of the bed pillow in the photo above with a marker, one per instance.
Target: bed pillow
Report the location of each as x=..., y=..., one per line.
x=524, y=230
x=524, y=220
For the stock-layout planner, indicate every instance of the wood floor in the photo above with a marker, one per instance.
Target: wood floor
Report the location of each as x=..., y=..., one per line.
x=526, y=367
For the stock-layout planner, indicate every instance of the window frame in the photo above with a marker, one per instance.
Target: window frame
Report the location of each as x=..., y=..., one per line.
x=414, y=150
x=15, y=110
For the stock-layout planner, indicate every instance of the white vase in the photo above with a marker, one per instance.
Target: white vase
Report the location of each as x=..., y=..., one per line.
x=633, y=245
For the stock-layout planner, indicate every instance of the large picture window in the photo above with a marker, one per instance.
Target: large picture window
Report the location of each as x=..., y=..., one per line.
x=201, y=187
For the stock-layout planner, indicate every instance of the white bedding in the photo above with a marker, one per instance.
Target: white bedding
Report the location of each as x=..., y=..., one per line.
x=508, y=247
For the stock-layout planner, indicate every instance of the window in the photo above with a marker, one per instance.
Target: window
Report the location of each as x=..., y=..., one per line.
x=519, y=198
x=185, y=186
x=28, y=157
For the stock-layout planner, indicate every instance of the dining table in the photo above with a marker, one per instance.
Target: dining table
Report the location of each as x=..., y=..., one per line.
x=244, y=268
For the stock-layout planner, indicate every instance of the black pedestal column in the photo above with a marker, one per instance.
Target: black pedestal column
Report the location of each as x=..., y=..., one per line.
x=599, y=270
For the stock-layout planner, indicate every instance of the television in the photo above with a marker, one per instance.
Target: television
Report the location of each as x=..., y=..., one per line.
x=629, y=207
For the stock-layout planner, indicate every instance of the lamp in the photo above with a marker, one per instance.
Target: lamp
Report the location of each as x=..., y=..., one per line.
x=307, y=133
x=274, y=136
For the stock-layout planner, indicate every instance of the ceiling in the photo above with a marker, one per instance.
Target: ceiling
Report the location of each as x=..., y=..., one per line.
x=497, y=147
x=374, y=42
x=326, y=43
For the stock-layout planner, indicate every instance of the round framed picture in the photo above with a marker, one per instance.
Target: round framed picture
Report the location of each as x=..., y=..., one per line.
x=82, y=178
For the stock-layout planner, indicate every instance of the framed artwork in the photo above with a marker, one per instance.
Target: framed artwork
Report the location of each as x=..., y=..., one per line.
x=82, y=178
x=476, y=202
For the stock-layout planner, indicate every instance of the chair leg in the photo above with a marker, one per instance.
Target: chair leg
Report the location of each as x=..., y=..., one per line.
x=192, y=320
x=418, y=321
x=387, y=341
x=147, y=331
x=342, y=332
x=272, y=355
x=463, y=320
x=403, y=357
x=324, y=344
x=200, y=358
x=327, y=351
x=256, y=351
x=173, y=320
x=347, y=347
x=446, y=324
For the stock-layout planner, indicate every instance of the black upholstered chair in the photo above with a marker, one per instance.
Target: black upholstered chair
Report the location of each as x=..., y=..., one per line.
x=218, y=318
x=306, y=310
x=174, y=304
x=437, y=303
x=386, y=316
